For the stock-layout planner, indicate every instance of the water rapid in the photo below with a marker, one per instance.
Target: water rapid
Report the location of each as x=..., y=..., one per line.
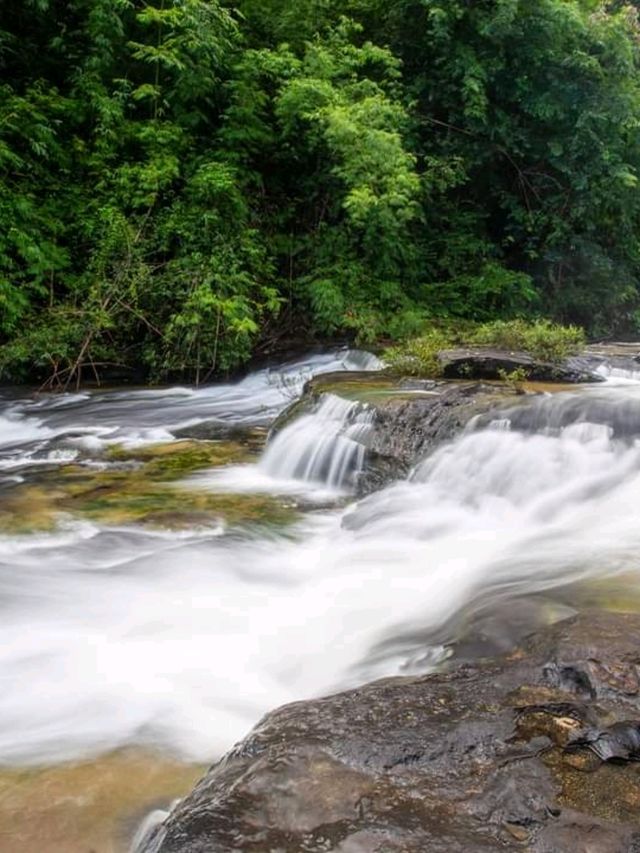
x=325, y=446
x=113, y=636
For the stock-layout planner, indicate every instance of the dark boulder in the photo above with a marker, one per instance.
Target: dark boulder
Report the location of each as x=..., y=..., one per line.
x=485, y=363
x=405, y=430
x=493, y=755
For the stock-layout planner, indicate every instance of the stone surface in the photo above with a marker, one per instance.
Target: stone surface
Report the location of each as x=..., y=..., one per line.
x=488, y=756
x=486, y=363
x=616, y=350
x=412, y=416
x=405, y=431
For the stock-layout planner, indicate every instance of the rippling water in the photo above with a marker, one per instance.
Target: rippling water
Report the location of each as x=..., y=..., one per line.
x=123, y=636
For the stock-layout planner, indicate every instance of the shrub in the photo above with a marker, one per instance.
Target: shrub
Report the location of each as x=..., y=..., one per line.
x=419, y=356
x=542, y=339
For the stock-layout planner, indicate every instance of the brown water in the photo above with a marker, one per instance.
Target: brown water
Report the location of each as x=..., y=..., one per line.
x=87, y=807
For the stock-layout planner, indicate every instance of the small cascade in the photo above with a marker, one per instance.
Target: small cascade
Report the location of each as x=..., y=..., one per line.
x=500, y=424
x=150, y=835
x=614, y=411
x=325, y=446
x=615, y=374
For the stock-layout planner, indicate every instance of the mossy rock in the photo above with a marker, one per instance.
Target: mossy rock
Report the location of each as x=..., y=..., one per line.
x=28, y=509
x=143, y=490
x=175, y=459
x=367, y=387
x=156, y=505
x=373, y=389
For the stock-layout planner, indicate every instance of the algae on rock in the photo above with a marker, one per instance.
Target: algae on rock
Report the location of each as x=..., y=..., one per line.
x=141, y=485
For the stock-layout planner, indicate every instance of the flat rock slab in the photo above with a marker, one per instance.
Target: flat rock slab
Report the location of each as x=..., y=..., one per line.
x=496, y=755
x=485, y=363
x=616, y=349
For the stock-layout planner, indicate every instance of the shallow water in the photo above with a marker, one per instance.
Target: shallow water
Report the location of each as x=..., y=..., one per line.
x=87, y=806
x=122, y=637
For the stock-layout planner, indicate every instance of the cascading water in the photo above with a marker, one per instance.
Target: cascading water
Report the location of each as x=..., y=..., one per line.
x=28, y=426
x=325, y=446
x=629, y=373
x=113, y=636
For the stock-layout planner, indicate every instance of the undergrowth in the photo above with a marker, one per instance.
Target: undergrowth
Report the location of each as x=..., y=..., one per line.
x=541, y=339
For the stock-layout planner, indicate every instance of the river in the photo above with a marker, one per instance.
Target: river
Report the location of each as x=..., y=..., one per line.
x=141, y=651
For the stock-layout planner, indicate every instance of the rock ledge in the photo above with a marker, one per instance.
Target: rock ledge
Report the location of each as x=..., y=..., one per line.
x=530, y=751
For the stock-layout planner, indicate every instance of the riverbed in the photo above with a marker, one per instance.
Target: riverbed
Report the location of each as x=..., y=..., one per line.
x=170, y=571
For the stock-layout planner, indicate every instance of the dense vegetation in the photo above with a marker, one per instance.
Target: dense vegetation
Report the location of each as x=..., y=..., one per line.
x=183, y=182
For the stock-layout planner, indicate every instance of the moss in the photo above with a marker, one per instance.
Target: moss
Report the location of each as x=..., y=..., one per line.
x=619, y=594
x=143, y=493
x=367, y=387
x=610, y=792
x=155, y=504
x=176, y=459
x=28, y=509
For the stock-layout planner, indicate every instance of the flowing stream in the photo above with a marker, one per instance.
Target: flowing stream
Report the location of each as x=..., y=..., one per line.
x=121, y=636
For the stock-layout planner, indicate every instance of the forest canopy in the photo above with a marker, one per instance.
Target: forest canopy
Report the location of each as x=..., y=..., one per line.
x=183, y=182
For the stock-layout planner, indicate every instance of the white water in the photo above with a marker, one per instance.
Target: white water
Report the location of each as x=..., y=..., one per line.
x=324, y=446
x=318, y=456
x=117, y=636
x=619, y=375
x=135, y=417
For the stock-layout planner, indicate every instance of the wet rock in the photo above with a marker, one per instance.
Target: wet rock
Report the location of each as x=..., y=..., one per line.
x=619, y=742
x=484, y=363
x=613, y=350
x=406, y=430
x=412, y=416
x=470, y=759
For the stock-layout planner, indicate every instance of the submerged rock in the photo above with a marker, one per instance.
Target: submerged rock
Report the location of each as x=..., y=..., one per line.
x=488, y=756
x=143, y=485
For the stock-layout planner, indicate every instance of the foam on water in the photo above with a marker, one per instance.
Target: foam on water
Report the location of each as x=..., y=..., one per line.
x=619, y=375
x=92, y=422
x=151, y=415
x=253, y=479
x=110, y=637
x=317, y=456
x=15, y=429
x=324, y=446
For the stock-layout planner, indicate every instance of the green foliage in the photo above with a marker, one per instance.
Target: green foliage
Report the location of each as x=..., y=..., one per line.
x=419, y=356
x=492, y=291
x=542, y=339
x=349, y=213
x=514, y=379
x=537, y=106
x=184, y=181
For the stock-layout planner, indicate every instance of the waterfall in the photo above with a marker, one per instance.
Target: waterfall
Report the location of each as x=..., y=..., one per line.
x=325, y=446
x=539, y=496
